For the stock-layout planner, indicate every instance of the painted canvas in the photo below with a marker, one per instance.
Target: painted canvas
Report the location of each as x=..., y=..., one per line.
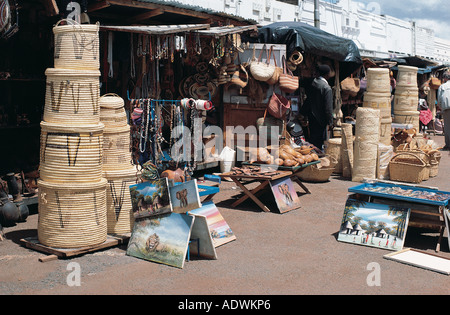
x=285, y=194
x=201, y=240
x=185, y=197
x=375, y=225
x=150, y=198
x=162, y=239
x=221, y=233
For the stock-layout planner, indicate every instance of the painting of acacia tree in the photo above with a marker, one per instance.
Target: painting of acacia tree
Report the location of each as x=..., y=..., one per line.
x=150, y=198
x=375, y=225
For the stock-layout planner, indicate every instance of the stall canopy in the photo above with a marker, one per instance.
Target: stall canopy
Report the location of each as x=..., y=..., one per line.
x=308, y=39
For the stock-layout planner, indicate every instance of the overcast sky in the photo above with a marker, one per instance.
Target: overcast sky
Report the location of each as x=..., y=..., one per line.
x=433, y=14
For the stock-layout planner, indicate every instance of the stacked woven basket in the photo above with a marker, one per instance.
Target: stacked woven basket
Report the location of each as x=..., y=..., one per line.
x=72, y=190
x=117, y=166
x=407, y=97
x=378, y=96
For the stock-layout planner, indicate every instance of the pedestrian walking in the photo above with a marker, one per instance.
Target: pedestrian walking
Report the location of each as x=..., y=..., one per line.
x=444, y=104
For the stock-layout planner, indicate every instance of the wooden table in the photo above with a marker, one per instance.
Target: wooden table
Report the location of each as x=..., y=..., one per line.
x=241, y=179
x=295, y=170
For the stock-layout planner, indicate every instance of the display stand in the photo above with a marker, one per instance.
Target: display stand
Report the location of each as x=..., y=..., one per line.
x=426, y=214
x=265, y=181
x=296, y=170
x=61, y=253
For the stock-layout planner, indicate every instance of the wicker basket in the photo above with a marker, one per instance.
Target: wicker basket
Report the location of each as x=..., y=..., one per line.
x=381, y=101
x=116, y=148
x=112, y=111
x=71, y=97
x=72, y=215
x=316, y=174
x=406, y=99
x=334, y=149
x=77, y=46
x=408, y=167
x=407, y=77
x=378, y=80
x=119, y=210
x=71, y=153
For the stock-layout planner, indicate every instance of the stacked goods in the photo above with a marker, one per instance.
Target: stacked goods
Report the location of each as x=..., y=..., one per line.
x=117, y=167
x=367, y=134
x=285, y=155
x=407, y=97
x=347, y=150
x=334, y=149
x=72, y=204
x=378, y=96
x=76, y=46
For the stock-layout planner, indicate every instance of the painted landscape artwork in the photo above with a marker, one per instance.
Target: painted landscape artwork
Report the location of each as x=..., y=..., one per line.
x=375, y=225
x=150, y=198
x=221, y=233
x=162, y=239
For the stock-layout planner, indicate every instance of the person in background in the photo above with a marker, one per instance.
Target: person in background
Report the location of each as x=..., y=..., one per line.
x=443, y=98
x=319, y=107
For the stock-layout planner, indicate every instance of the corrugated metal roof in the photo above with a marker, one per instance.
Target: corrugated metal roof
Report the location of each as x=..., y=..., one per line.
x=156, y=29
x=197, y=8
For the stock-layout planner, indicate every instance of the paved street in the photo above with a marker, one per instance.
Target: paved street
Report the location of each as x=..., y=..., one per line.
x=274, y=254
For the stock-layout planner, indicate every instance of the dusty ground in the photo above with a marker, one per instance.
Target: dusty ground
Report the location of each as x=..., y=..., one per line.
x=294, y=253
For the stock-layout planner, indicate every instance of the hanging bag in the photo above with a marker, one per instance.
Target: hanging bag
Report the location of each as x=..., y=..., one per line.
x=240, y=76
x=278, y=70
x=288, y=82
x=278, y=105
x=351, y=86
x=261, y=71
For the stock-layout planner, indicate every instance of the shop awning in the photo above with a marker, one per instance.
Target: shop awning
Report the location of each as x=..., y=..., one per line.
x=308, y=39
x=227, y=30
x=156, y=29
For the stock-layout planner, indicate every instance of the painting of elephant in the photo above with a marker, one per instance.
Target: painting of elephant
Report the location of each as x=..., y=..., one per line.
x=185, y=196
x=285, y=195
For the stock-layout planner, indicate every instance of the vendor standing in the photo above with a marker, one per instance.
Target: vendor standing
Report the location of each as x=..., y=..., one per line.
x=319, y=107
x=443, y=97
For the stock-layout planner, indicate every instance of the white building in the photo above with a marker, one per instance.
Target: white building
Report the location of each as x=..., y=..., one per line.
x=375, y=35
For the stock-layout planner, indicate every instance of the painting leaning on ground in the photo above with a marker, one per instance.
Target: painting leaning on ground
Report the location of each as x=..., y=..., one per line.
x=375, y=225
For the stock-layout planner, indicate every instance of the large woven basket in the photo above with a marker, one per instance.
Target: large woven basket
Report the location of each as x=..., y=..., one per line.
x=118, y=200
x=334, y=149
x=411, y=118
x=72, y=215
x=406, y=99
x=386, y=131
x=408, y=167
x=112, y=111
x=407, y=76
x=77, y=46
x=378, y=80
x=381, y=101
x=367, y=126
x=116, y=148
x=72, y=96
x=71, y=154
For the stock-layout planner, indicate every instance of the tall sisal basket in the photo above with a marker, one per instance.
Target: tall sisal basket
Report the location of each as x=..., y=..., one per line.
x=76, y=46
x=112, y=111
x=71, y=96
x=72, y=215
x=118, y=200
x=367, y=132
x=71, y=154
